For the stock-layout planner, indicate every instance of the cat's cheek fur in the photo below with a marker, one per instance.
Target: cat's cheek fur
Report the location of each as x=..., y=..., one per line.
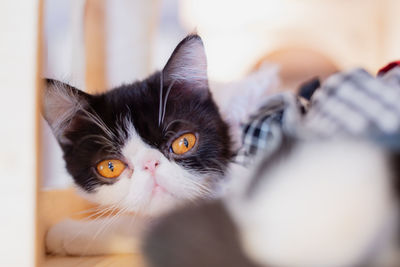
x=111, y=194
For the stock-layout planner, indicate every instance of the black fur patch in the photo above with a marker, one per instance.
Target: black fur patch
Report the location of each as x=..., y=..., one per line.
x=197, y=237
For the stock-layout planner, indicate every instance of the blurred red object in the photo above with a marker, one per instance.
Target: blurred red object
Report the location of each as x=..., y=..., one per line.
x=388, y=67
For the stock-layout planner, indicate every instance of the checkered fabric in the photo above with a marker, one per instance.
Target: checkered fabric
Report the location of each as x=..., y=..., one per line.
x=356, y=103
x=352, y=103
x=263, y=131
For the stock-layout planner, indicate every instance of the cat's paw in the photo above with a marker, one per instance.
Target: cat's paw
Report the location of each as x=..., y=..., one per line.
x=91, y=238
x=75, y=238
x=57, y=235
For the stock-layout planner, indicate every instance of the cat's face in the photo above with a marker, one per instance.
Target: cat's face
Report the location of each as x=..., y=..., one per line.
x=146, y=146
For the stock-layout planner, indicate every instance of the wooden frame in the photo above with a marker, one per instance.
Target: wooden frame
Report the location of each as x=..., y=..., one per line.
x=95, y=46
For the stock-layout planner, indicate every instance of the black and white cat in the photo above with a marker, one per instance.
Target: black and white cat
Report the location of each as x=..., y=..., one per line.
x=309, y=204
x=145, y=147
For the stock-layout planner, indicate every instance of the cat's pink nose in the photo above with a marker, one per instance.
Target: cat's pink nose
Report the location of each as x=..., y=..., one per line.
x=151, y=165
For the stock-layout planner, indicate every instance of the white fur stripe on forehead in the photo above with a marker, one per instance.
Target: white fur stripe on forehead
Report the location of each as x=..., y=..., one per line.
x=188, y=63
x=60, y=103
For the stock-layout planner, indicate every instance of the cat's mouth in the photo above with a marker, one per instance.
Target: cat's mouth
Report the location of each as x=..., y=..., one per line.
x=157, y=189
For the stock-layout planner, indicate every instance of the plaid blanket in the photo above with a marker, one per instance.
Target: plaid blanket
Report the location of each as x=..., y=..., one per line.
x=352, y=103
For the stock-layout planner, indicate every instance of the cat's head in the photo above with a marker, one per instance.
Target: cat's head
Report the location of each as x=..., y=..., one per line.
x=145, y=146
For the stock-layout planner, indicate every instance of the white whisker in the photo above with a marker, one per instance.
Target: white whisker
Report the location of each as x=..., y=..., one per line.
x=166, y=99
x=161, y=94
x=93, y=117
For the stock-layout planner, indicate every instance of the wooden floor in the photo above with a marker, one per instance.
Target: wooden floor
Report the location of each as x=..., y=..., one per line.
x=99, y=261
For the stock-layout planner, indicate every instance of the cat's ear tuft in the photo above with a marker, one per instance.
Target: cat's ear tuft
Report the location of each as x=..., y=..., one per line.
x=188, y=64
x=60, y=102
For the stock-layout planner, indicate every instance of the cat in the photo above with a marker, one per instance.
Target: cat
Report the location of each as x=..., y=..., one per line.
x=311, y=203
x=145, y=148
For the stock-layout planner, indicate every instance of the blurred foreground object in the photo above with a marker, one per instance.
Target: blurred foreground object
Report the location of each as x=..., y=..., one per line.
x=330, y=173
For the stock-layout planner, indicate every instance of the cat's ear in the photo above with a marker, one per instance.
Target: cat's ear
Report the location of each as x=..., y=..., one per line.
x=60, y=103
x=188, y=64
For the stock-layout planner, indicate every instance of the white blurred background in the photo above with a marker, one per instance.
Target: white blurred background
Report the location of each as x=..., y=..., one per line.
x=306, y=37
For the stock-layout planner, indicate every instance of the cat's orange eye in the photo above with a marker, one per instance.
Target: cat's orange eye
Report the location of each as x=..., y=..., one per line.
x=110, y=168
x=183, y=143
